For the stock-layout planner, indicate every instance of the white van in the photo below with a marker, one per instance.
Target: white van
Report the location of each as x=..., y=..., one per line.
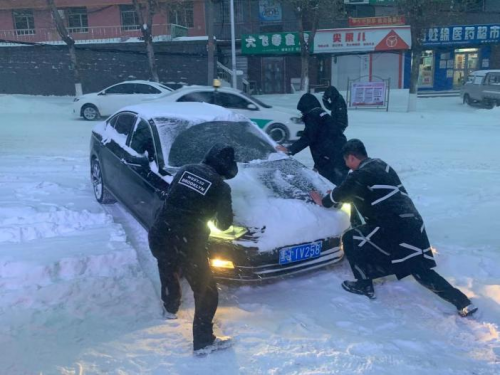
x=482, y=87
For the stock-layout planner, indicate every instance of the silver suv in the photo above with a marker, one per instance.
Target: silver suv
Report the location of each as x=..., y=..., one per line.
x=482, y=87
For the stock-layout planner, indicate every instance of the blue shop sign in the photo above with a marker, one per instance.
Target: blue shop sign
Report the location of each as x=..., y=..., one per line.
x=462, y=35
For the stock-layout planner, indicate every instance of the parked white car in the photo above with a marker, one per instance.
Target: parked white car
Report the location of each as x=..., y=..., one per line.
x=108, y=101
x=281, y=124
x=483, y=87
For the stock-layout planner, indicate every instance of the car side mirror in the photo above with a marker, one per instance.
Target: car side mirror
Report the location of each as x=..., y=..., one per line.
x=252, y=107
x=102, y=93
x=137, y=161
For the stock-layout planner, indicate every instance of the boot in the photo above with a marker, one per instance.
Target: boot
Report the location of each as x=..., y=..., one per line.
x=363, y=287
x=467, y=311
x=219, y=343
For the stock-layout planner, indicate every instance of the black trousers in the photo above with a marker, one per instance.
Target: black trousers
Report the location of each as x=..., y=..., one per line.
x=179, y=253
x=368, y=263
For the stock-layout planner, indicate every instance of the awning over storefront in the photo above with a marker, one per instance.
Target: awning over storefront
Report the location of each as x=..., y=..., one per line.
x=363, y=39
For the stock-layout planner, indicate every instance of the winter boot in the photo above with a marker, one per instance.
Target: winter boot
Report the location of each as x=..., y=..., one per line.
x=363, y=287
x=219, y=343
x=467, y=311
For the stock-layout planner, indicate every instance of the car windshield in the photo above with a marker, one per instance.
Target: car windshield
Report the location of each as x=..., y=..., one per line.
x=185, y=143
x=259, y=102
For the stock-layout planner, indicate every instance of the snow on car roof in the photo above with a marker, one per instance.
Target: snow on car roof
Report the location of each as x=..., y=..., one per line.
x=193, y=112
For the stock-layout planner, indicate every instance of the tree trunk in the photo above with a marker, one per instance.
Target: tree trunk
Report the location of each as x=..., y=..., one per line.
x=415, y=71
x=146, y=21
x=211, y=44
x=152, y=59
x=63, y=33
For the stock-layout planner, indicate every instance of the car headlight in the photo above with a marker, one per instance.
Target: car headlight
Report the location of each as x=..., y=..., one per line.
x=296, y=120
x=221, y=263
x=76, y=100
x=232, y=233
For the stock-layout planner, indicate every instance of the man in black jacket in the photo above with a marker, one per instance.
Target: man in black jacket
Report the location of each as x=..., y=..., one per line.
x=393, y=240
x=179, y=236
x=334, y=101
x=324, y=138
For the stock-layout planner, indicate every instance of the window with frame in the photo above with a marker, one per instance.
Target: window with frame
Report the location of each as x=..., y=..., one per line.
x=199, y=96
x=24, y=21
x=223, y=15
x=478, y=80
x=78, y=21
x=182, y=14
x=125, y=122
x=130, y=19
x=231, y=101
x=123, y=89
x=142, y=141
x=146, y=89
x=494, y=79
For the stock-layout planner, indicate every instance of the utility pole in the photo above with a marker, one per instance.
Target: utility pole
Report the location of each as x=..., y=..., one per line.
x=211, y=44
x=233, y=47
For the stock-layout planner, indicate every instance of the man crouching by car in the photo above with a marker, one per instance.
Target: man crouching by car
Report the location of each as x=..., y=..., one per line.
x=179, y=236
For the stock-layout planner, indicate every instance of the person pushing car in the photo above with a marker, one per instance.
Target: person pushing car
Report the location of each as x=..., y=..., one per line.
x=178, y=239
x=393, y=240
x=323, y=136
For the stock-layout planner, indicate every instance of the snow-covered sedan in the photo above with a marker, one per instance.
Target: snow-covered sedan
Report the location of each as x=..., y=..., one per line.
x=281, y=124
x=278, y=230
x=108, y=101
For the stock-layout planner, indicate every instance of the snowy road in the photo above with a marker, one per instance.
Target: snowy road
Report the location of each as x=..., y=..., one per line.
x=79, y=287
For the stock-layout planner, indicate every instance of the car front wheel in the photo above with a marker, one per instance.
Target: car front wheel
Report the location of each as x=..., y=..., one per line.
x=101, y=194
x=90, y=112
x=278, y=133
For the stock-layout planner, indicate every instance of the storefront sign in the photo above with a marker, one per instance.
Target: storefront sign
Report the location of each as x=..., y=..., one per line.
x=271, y=44
x=270, y=10
x=363, y=39
x=377, y=21
x=368, y=94
x=462, y=35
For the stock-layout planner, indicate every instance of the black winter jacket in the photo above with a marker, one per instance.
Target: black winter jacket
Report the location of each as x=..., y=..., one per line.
x=322, y=135
x=199, y=194
x=334, y=101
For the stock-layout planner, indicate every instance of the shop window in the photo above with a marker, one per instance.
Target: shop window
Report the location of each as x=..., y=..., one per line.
x=182, y=14
x=24, y=22
x=77, y=20
x=426, y=75
x=130, y=20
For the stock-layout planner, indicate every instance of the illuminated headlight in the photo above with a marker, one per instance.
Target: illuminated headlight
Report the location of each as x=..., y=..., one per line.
x=221, y=263
x=232, y=233
x=346, y=207
x=76, y=100
x=296, y=120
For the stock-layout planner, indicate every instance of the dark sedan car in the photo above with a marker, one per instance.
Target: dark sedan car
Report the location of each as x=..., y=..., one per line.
x=135, y=153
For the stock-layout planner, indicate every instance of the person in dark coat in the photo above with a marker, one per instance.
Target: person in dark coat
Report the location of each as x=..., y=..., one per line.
x=324, y=138
x=178, y=238
x=393, y=240
x=334, y=102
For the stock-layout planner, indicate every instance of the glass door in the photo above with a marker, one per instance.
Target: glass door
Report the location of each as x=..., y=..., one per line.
x=466, y=61
x=273, y=77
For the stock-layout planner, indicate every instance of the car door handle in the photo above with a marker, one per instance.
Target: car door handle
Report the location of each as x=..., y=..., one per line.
x=130, y=164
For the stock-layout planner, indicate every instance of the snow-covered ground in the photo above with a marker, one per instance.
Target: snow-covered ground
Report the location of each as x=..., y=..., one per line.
x=79, y=289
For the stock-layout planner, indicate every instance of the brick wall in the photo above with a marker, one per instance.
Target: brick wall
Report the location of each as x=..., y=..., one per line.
x=46, y=70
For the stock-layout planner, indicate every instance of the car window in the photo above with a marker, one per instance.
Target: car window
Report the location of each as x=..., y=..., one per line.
x=142, y=140
x=198, y=96
x=125, y=88
x=231, y=101
x=125, y=123
x=478, y=80
x=494, y=79
x=112, y=121
x=470, y=79
x=146, y=89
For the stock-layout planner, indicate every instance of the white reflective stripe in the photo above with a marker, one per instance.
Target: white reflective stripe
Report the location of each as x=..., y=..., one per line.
x=387, y=169
x=394, y=192
x=422, y=228
x=407, y=215
x=416, y=250
x=360, y=271
x=358, y=238
x=323, y=114
x=367, y=238
x=428, y=257
x=331, y=198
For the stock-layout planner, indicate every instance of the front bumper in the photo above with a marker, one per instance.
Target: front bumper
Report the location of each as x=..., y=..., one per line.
x=250, y=265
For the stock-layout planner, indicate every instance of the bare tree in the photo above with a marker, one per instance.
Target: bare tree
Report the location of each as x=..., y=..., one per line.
x=70, y=42
x=308, y=14
x=145, y=12
x=421, y=15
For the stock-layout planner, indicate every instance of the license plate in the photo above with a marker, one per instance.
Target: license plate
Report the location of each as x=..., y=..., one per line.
x=301, y=252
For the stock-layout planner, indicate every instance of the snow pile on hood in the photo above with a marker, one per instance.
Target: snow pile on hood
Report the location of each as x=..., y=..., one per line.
x=286, y=221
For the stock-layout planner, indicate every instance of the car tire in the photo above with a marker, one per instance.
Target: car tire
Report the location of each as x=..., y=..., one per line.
x=278, y=133
x=90, y=112
x=467, y=99
x=101, y=194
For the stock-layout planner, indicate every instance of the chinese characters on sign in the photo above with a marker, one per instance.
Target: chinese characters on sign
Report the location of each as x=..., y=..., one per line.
x=368, y=94
x=471, y=34
x=274, y=43
x=377, y=21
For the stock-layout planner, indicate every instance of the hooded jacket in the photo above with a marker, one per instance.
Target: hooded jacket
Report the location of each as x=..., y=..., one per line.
x=322, y=135
x=334, y=101
x=198, y=194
